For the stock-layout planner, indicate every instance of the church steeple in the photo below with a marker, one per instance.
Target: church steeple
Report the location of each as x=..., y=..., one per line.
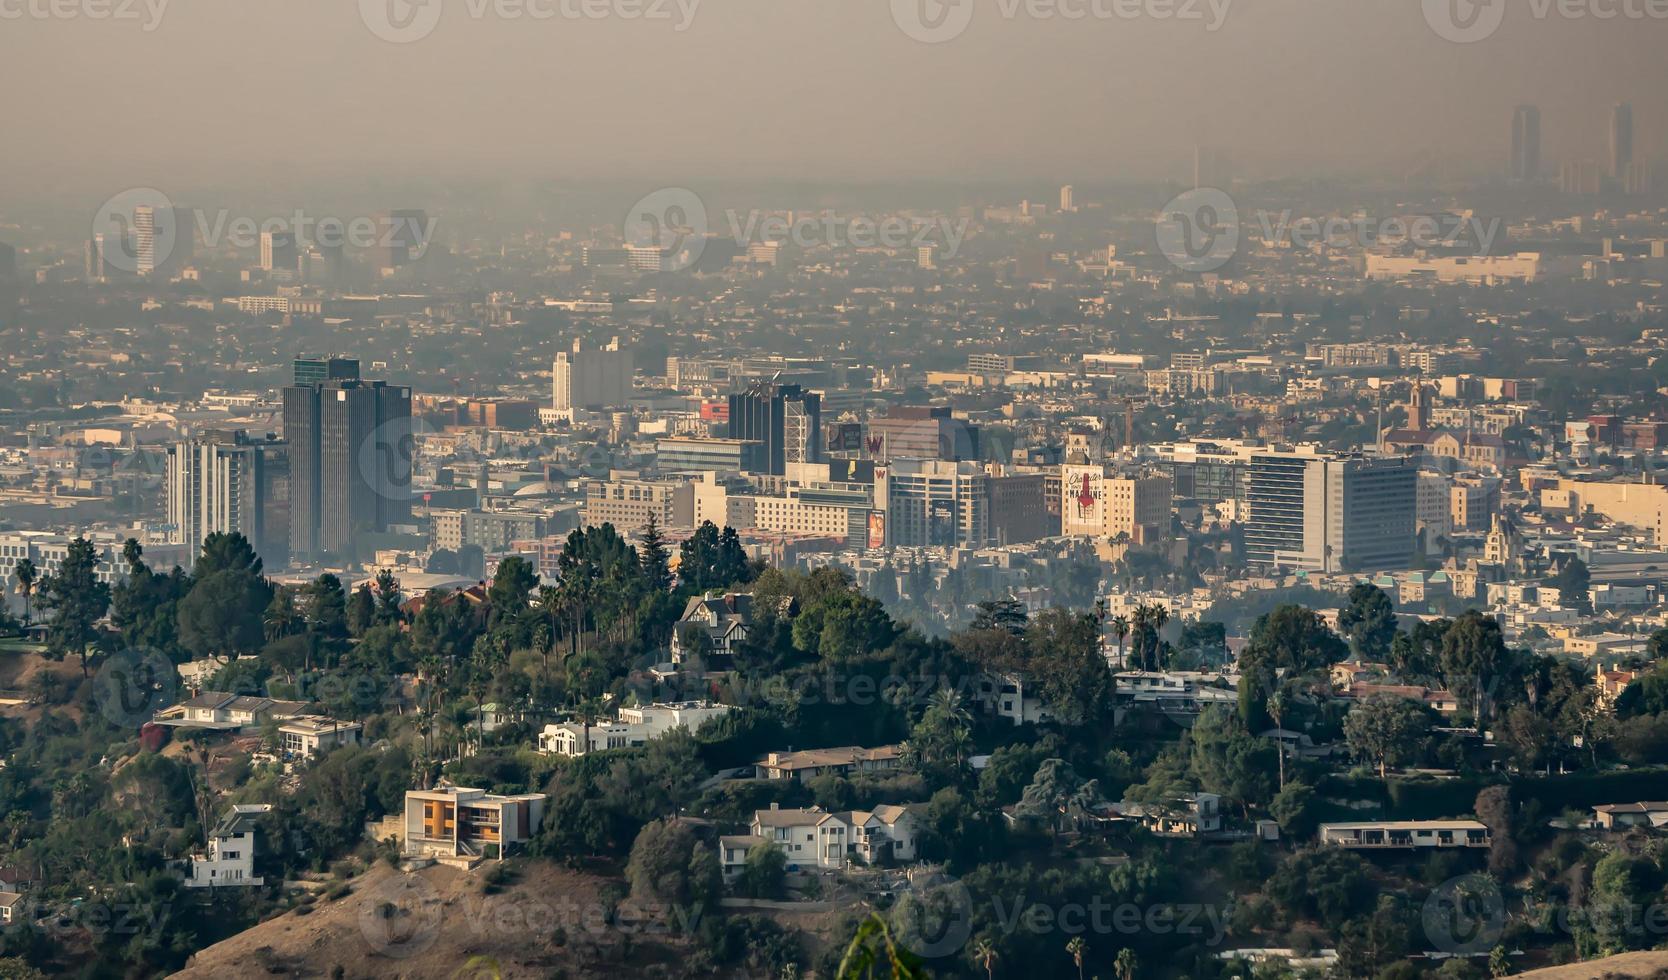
x=1418, y=410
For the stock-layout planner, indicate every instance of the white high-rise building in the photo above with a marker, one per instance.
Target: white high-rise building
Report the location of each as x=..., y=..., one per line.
x=230, y=485
x=1067, y=200
x=164, y=239
x=931, y=502
x=592, y=379
x=1332, y=512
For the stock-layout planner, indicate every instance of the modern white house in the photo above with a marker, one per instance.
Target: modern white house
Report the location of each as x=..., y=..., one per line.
x=815, y=839
x=1007, y=696
x=222, y=711
x=633, y=726
x=307, y=737
x=1182, y=816
x=1376, y=835
x=458, y=822
x=230, y=861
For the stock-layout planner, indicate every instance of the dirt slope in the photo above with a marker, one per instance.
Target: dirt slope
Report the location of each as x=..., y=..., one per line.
x=1652, y=964
x=438, y=923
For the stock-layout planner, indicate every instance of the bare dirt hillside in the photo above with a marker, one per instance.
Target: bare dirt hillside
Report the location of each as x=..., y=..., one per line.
x=440, y=923
x=1648, y=965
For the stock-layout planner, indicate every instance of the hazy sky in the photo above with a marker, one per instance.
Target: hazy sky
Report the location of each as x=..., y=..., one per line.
x=233, y=90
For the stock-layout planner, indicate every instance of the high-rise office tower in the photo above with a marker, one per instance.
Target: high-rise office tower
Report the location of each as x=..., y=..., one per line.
x=785, y=417
x=1582, y=178
x=402, y=240
x=1211, y=168
x=103, y=256
x=279, y=251
x=352, y=448
x=929, y=502
x=595, y=379
x=1068, y=201
x=228, y=483
x=1332, y=512
x=1526, y=143
x=317, y=370
x=1621, y=141
x=920, y=432
x=164, y=239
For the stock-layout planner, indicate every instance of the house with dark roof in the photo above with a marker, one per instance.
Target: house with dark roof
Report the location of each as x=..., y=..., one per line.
x=230, y=861
x=723, y=619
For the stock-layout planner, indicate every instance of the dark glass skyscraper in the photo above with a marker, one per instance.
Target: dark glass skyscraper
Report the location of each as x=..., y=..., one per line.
x=1526, y=143
x=1621, y=140
x=351, y=451
x=317, y=370
x=785, y=417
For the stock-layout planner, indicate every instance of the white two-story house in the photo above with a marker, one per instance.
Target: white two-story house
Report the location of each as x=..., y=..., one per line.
x=633, y=726
x=815, y=839
x=230, y=861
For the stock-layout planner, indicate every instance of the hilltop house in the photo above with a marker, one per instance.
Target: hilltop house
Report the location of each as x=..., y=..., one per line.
x=221, y=711
x=723, y=619
x=1619, y=816
x=1379, y=834
x=230, y=861
x=1007, y=696
x=634, y=726
x=814, y=838
x=454, y=821
x=1188, y=815
x=844, y=761
x=309, y=736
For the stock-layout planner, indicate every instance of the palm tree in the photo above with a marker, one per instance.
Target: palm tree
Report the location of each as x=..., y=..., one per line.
x=1075, y=947
x=1276, y=709
x=282, y=618
x=1160, y=616
x=27, y=575
x=1138, y=629
x=1120, y=631
x=1125, y=964
x=985, y=955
